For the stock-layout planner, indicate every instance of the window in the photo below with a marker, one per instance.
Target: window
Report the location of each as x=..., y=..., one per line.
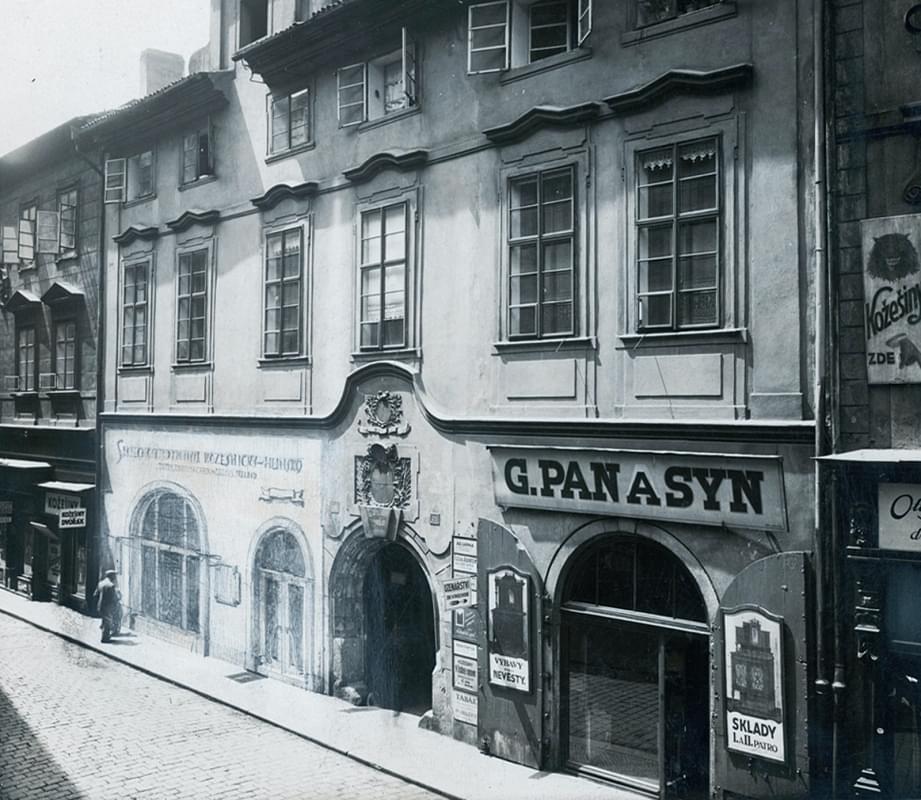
x=541, y=255
x=283, y=286
x=28, y=217
x=379, y=87
x=65, y=354
x=649, y=12
x=128, y=179
x=134, y=314
x=513, y=33
x=67, y=209
x=382, y=317
x=25, y=358
x=254, y=20
x=289, y=121
x=192, y=305
x=197, y=158
x=170, y=562
x=678, y=236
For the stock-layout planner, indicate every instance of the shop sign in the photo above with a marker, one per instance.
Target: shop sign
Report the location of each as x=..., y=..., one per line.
x=6, y=511
x=55, y=502
x=466, y=669
x=72, y=518
x=754, y=683
x=465, y=707
x=509, y=629
x=464, y=555
x=892, y=298
x=699, y=488
x=900, y=516
x=465, y=624
x=459, y=592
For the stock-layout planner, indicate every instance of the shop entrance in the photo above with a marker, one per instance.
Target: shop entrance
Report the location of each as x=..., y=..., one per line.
x=399, y=631
x=636, y=672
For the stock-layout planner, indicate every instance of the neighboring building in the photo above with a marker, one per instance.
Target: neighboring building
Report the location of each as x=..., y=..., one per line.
x=50, y=212
x=870, y=653
x=513, y=290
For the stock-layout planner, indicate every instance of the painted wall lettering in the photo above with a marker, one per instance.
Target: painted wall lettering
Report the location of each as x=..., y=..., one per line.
x=702, y=488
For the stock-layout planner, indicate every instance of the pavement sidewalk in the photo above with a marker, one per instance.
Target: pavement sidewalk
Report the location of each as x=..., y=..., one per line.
x=386, y=740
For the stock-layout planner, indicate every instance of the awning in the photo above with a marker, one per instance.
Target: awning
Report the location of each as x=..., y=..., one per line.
x=20, y=299
x=65, y=486
x=18, y=463
x=875, y=456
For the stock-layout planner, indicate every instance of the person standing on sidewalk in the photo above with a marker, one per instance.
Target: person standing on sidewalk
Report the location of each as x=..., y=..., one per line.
x=108, y=603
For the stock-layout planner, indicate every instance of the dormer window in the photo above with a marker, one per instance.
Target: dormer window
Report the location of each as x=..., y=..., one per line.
x=197, y=154
x=254, y=20
x=382, y=86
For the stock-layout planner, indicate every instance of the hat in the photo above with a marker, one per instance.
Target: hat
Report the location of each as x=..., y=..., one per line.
x=110, y=572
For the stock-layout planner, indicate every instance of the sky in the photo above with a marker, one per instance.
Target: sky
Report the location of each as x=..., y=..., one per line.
x=64, y=58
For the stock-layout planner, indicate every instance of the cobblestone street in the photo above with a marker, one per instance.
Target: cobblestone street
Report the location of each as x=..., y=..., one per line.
x=74, y=724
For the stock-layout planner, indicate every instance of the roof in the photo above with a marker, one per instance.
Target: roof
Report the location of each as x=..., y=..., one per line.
x=876, y=456
x=191, y=96
x=43, y=150
x=338, y=31
x=20, y=299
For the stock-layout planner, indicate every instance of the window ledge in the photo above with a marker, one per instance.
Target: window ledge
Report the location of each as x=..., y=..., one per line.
x=138, y=201
x=63, y=393
x=545, y=65
x=285, y=361
x=690, y=19
x=135, y=369
x=388, y=118
x=546, y=345
x=291, y=151
x=629, y=341
x=70, y=255
x=404, y=353
x=197, y=182
x=31, y=395
x=193, y=366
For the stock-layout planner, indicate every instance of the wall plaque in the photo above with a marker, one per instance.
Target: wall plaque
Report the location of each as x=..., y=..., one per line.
x=900, y=516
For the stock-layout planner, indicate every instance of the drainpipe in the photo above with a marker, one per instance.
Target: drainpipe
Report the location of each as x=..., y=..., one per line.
x=100, y=353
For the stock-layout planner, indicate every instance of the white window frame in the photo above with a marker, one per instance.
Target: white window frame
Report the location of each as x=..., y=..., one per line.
x=69, y=246
x=10, y=254
x=144, y=262
x=27, y=379
x=48, y=232
x=363, y=103
x=28, y=223
x=71, y=362
x=116, y=180
x=470, y=36
x=186, y=250
x=732, y=277
x=272, y=101
x=303, y=230
x=585, y=13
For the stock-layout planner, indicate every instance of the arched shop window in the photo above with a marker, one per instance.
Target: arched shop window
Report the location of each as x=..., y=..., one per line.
x=635, y=575
x=170, y=562
x=636, y=672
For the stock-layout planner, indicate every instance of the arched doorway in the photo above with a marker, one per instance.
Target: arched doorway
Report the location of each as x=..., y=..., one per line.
x=636, y=675
x=283, y=586
x=399, y=633
x=383, y=621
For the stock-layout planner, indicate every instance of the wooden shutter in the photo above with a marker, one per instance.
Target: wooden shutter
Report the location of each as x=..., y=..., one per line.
x=116, y=179
x=585, y=20
x=10, y=245
x=49, y=231
x=410, y=76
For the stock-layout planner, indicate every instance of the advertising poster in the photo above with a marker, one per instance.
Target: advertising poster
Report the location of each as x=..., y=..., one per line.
x=464, y=556
x=465, y=707
x=466, y=671
x=892, y=296
x=900, y=516
x=754, y=684
x=508, y=639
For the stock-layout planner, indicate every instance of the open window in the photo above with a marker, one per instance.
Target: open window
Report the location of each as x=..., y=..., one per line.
x=67, y=212
x=129, y=179
x=289, y=121
x=514, y=33
x=197, y=154
x=28, y=218
x=384, y=85
x=254, y=20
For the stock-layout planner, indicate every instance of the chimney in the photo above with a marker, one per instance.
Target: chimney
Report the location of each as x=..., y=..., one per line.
x=159, y=69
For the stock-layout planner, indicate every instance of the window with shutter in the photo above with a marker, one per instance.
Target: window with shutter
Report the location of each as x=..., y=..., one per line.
x=10, y=245
x=585, y=20
x=48, y=227
x=28, y=218
x=67, y=209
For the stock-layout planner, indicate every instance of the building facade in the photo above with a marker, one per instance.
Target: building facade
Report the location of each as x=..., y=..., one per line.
x=51, y=216
x=869, y=649
x=449, y=352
